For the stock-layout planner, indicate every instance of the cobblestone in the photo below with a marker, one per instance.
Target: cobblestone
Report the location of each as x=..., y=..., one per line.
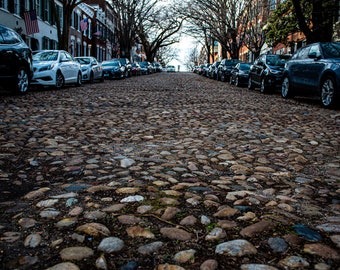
x=168, y=171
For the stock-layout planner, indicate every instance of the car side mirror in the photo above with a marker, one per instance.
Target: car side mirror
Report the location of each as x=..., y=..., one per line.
x=313, y=55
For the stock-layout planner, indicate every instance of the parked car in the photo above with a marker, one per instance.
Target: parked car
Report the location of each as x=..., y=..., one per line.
x=212, y=70
x=159, y=67
x=205, y=71
x=195, y=69
x=135, y=69
x=224, y=69
x=314, y=70
x=16, y=68
x=239, y=74
x=145, y=67
x=170, y=68
x=266, y=72
x=126, y=66
x=90, y=68
x=200, y=69
x=55, y=68
x=113, y=69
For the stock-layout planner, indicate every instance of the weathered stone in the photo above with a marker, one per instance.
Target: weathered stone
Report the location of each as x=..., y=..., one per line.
x=76, y=253
x=176, y=234
x=237, y=248
x=111, y=244
x=256, y=228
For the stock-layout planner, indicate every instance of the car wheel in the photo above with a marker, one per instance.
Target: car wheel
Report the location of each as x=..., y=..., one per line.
x=231, y=80
x=22, y=81
x=59, y=82
x=237, y=82
x=286, y=89
x=222, y=77
x=250, y=84
x=327, y=92
x=78, y=83
x=263, y=88
x=91, y=77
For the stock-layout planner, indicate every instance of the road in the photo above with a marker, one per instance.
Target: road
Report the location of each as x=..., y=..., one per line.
x=167, y=171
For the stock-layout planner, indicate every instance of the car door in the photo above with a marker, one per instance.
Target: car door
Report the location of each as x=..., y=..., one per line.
x=257, y=69
x=298, y=68
x=95, y=68
x=65, y=66
x=313, y=68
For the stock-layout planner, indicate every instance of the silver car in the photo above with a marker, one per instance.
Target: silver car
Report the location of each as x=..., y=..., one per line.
x=90, y=68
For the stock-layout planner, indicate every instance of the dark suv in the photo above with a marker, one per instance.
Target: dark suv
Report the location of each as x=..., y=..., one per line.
x=212, y=70
x=314, y=70
x=126, y=66
x=266, y=72
x=15, y=61
x=224, y=69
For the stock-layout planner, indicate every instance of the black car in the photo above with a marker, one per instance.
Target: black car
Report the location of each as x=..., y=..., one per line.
x=126, y=64
x=314, y=70
x=113, y=70
x=239, y=74
x=145, y=67
x=200, y=69
x=16, y=68
x=205, y=70
x=212, y=70
x=266, y=72
x=224, y=69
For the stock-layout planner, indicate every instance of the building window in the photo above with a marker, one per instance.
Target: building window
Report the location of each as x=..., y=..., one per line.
x=4, y=4
x=272, y=4
x=37, y=6
x=16, y=7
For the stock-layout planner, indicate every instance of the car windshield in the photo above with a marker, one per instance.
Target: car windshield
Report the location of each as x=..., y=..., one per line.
x=45, y=56
x=331, y=50
x=121, y=60
x=244, y=66
x=83, y=61
x=106, y=64
x=232, y=62
x=275, y=60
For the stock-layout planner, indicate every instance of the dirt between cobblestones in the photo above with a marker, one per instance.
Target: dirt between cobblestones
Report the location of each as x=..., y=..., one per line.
x=125, y=160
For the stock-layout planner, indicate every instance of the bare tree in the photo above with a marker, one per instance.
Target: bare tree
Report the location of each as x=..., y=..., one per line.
x=251, y=30
x=200, y=31
x=223, y=19
x=192, y=58
x=166, y=54
x=63, y=31
x=158, y=28
x=127, y=14
x=146, y=22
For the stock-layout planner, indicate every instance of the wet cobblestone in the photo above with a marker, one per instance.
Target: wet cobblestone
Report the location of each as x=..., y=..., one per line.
x=168, y=171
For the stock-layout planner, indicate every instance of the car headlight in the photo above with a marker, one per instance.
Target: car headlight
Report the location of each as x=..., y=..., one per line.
x=273, y=71
x=48, y=67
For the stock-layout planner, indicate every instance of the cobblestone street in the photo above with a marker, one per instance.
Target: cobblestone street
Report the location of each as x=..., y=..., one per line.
x=168, y=171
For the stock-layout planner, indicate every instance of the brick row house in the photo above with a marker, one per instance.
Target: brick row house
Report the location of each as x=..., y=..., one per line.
x=295, y=40
x=96, y=37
